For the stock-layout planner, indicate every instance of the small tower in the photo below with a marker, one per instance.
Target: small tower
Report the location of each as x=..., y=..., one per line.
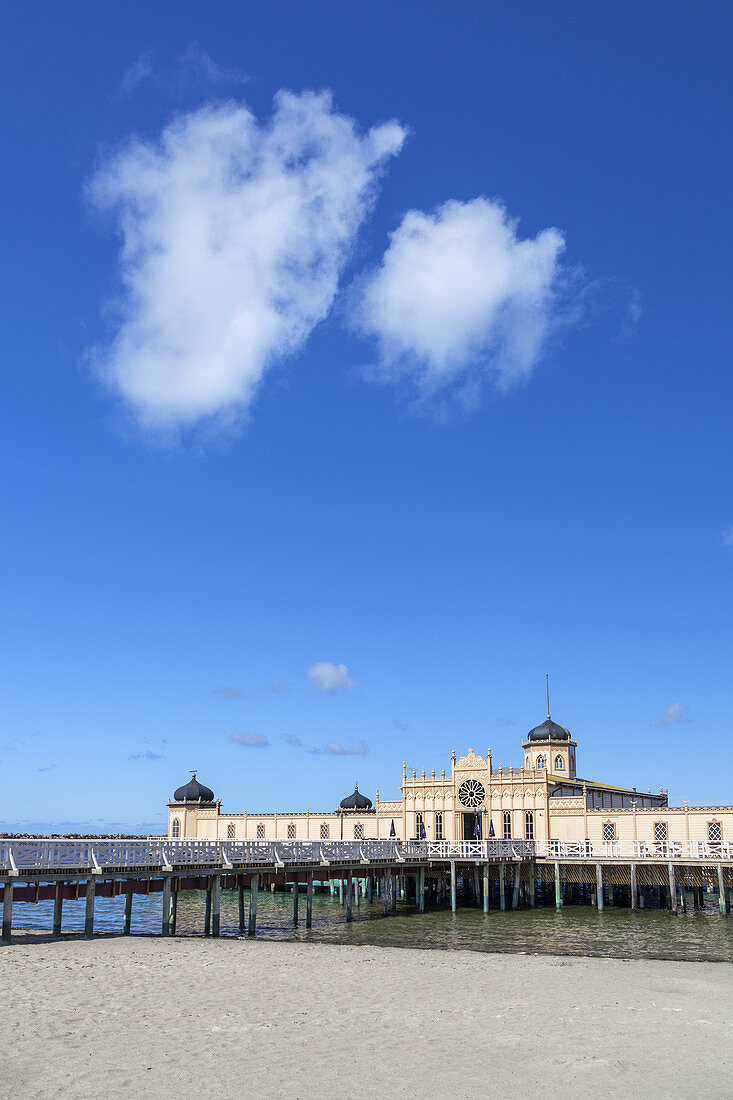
x=550, y=748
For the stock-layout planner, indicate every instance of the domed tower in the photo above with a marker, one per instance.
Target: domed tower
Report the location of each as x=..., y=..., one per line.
x=185, y=806
x=356, y=801
x=550, y=747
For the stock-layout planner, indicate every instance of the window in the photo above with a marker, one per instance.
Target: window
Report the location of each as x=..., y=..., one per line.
x=418, y=826
x=529, y=825
x=176, y=828
x=715, y=832
x=439, y=826
x=230, y=831
x=507, y=825
x=528, y=763
x=660, y=831
x=261, y=831
x=358, y=831
x=559, y=764
x=540, y=762
x=609, y=830
x=291, y=831
x=324, y=830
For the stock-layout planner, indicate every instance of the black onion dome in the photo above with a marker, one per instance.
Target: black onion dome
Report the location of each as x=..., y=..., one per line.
x=193, y=792
x=549, y=731
x=356, y=801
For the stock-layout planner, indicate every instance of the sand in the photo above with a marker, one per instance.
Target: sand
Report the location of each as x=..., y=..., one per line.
x=143, y=1016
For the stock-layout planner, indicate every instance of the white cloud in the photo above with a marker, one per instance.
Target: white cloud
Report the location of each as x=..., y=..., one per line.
x=148, y=754
x=249, y=740
x=459, y=295
x=726, y=539
x=336, y=748
x=676, y=713
x=234, y=234
x=328, y=677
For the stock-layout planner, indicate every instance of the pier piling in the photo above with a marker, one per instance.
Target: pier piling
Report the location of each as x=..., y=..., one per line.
x=89, y=911
x=309, y=900
x=57, y=910
x=7, y=911
x=253, y=888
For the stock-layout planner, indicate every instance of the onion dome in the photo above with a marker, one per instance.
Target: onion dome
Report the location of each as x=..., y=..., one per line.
x=549, y=731
x=356, y=801
x=193, y=791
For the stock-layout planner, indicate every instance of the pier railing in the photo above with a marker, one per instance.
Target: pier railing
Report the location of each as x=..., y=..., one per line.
x=104, y=856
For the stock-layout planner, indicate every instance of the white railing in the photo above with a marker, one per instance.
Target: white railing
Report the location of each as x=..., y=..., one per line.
x=104, y=856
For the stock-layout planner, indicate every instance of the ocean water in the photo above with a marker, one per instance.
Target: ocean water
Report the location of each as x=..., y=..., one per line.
x=574, y=930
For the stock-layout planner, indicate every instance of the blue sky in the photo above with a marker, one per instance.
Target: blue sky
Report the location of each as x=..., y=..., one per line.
x=430, y=380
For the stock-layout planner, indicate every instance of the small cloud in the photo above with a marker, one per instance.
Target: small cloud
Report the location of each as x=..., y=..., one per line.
x=330, y=678
x=10, y=746
x=726, y=539
x=633, y=315
x=400, y=725
x=276, y=687
x=48, y=768
x=226, y=691
x=505, y=721
x=140, y=70
x=147, y=755
x=249, y=740
x=197, y=63
x=676, y=714
x=335, y=748
x=291, y=739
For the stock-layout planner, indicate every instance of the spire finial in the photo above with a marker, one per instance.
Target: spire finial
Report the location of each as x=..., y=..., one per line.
x=547, y=682
x=193, y=773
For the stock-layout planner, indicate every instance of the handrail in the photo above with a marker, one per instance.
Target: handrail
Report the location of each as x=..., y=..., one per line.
x=165, y=855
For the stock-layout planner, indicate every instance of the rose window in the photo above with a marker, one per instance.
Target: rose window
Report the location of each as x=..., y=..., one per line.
x=471, y=793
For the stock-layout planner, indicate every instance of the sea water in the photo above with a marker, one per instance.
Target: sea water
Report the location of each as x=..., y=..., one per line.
x=572, y=930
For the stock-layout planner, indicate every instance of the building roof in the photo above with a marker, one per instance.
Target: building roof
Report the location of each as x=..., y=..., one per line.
x=193, y=791
x=549, y=731
x=356, y=801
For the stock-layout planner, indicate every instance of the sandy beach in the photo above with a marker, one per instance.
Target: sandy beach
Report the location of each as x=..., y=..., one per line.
x=232, y=1018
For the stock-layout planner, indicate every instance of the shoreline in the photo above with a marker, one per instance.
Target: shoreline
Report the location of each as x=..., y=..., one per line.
x=232, y=1017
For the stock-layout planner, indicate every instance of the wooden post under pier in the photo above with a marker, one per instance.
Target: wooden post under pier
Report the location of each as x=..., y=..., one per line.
x=7, y=911
x=453, y=901
x=216, y=905
x=174, y=910
x=254, y=884
x=295, y=901
x=486, y=888
x=515, y=891
x=166, y=923
x=349, y=894
x=241, y=909
x=599, y=886
x=502, y=886
x=127, y=915
x=532, y=885
x=89, y=910
x=672, y=888
x=207, y=909
x=558, y=886
x=58, y=903
x=634, y=888
x=722, y=899
x=309, y=900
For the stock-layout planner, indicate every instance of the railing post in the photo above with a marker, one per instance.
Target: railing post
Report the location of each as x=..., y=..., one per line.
x=485, y=888
x=127, y=915
x=634, y=888
x=7, y=911
x=722, y=899
x=309, y=900
x=599, y=886
x=89, y=912
x=254, y=884
x=453, y=901
x=57, y=911
x=558, y=886
x=166, y=928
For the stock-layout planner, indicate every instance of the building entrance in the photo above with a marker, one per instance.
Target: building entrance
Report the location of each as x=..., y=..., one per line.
x=469, y=826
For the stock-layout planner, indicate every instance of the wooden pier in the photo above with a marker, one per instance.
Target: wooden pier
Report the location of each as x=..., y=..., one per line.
x=494, y=873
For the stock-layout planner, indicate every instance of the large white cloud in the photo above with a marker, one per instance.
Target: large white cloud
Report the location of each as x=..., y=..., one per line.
x=329, y=678
x=459, y=293
x=234, y=233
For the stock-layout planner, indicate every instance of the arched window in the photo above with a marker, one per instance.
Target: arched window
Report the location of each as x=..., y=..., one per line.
x=439, y=825
x=528, y=762
x=559, y=764
x=418, y=826
x=358, y=831
x=324, y=830
x=176, y=828
x=230, y=831
x=291, y=831
x=507, y=825
x=540, y=762
x=261, y=831
x=528, y=825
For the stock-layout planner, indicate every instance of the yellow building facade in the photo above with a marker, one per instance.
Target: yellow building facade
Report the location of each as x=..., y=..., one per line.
x=542, y=801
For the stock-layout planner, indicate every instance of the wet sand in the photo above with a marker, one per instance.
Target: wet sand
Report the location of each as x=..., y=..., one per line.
x=233, y=1018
